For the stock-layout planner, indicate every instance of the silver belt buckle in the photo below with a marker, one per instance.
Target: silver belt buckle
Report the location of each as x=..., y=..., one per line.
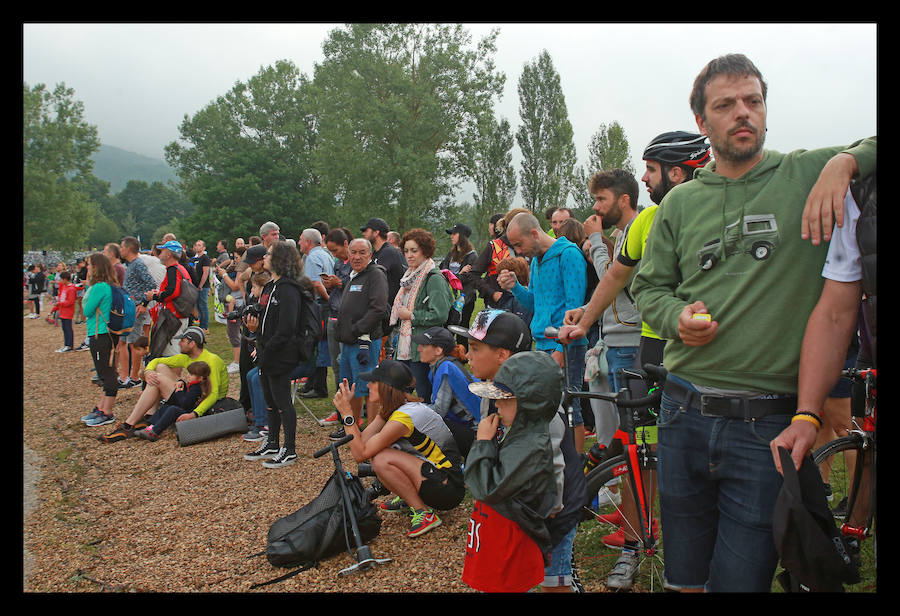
x=704, y=399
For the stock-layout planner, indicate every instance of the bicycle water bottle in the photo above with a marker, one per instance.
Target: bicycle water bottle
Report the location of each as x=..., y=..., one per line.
x=593, y=457
x=458, y=304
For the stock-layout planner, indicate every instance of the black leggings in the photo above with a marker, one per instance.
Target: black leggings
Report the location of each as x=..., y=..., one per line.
x=103, y=348
x=276, y=390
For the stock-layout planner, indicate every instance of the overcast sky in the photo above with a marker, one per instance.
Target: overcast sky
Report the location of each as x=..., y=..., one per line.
x=137, y=81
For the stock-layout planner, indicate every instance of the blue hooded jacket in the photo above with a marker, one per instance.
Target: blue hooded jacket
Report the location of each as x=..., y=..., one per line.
x=557, y=283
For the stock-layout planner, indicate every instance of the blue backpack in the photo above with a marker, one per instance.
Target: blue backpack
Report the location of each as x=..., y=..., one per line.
x=121, y=313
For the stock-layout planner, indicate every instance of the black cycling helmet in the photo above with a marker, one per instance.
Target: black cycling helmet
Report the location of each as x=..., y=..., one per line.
x=679, y=148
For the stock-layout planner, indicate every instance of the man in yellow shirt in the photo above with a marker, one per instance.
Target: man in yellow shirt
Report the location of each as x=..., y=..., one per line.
x=671, y=159
x=162, y=374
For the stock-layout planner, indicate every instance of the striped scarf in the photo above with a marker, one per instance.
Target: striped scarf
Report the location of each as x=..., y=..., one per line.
x=406, y=297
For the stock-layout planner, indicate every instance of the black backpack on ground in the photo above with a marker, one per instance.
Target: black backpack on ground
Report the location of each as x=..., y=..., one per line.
x=320, y=529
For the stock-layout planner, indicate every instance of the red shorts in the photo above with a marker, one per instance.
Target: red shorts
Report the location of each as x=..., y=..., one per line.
x=500, y=557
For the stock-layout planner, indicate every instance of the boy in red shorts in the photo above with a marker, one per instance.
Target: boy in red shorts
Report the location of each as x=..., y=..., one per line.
x=510, y=473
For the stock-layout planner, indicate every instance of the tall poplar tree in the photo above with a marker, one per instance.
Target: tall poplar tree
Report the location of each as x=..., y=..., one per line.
x=544, y=137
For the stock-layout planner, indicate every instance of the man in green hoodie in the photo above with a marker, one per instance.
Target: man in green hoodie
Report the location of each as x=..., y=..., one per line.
x=728, y=280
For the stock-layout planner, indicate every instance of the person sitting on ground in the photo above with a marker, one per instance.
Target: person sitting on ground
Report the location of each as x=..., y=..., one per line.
x=411, y=450
x=161, y=375
x=450, y=395
x=510, y=474
x=181, y=404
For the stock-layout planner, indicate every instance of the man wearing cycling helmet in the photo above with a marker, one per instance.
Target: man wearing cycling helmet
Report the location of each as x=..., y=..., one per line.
x=670, y=159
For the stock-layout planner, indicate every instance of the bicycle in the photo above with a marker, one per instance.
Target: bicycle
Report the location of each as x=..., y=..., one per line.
x=636, y=454
x=859, y=519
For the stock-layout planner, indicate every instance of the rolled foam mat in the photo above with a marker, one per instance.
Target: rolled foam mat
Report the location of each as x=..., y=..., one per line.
x=209, y=427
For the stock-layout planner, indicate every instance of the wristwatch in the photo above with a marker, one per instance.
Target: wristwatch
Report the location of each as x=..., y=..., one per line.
x=348, y=420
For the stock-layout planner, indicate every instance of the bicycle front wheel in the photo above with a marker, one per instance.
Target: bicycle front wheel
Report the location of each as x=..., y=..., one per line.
x=839, y=457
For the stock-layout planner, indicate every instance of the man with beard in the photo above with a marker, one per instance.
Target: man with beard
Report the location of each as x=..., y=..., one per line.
x=727, y=279
x=671, y=159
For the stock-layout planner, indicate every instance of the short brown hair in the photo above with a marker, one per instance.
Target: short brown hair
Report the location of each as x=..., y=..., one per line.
x=735, y=64
x=423, y=238
x=519, y=267
x=619, y=181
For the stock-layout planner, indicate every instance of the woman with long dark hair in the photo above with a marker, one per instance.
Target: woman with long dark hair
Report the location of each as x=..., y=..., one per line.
x=461, y=254
x=278, y=351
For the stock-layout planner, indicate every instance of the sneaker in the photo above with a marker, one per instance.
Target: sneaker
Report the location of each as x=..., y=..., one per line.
x=395, y=505
x=622, y=575
x=423, y=520
x=332, y=419
x=141, y=423
x=233, y=368
x=840, y=510
x=606, y=497
x=147, y=434
x=100, y=419
x=829, y=494
x=265, y=452
x=119, y=433
x=132, y=383
x=615, y=518
x=253, y=435
x=337, y=434
x=92, y=414
x=64, y=349
x=82, y=347
x=284, y=458
x=617, y=539
x=124, y=384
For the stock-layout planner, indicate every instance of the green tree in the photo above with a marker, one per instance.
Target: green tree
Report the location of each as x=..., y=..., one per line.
x=57, y=147
x=544, y=137
x=140, y=208
x=608, y=149
x=396, y=103
x=490, y=158
x=244, y=158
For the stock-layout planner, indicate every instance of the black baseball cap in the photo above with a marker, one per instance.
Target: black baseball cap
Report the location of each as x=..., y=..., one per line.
x=498, y=328
x=461, y=229
x=376, y=224
x=254, y=254
x=438, y=336
x=390, y=371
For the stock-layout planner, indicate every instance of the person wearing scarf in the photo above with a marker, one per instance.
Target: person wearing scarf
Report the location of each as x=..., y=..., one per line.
x=423, y=301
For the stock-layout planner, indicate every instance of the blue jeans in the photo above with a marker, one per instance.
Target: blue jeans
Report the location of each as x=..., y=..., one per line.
x=257, y=398
x=351, y=367
x=616, y=358
x=575, y=364
x=717, y=491
x=420, y=372
x=559, y=571
x=203, y=307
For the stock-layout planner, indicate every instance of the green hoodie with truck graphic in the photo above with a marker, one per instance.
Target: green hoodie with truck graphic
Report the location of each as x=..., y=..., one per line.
x=735, y=245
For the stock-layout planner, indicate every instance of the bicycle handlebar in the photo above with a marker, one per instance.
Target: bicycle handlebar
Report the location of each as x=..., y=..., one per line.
x=325, y=450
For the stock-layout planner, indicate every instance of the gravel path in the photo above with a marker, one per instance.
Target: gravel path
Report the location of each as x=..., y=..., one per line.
x=135, y=516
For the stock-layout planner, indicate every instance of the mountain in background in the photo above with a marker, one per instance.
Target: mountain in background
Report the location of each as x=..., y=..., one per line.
x=118, y=166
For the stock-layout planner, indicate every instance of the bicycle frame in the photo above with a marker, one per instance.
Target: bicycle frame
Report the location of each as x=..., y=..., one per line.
x=637, y=454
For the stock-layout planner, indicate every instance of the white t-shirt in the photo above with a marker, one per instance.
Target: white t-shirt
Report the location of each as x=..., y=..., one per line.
x=843, y=263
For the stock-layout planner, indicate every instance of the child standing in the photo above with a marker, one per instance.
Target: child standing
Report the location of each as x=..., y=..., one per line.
x=65, y=307
x=510, y=473
x=181, y=404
